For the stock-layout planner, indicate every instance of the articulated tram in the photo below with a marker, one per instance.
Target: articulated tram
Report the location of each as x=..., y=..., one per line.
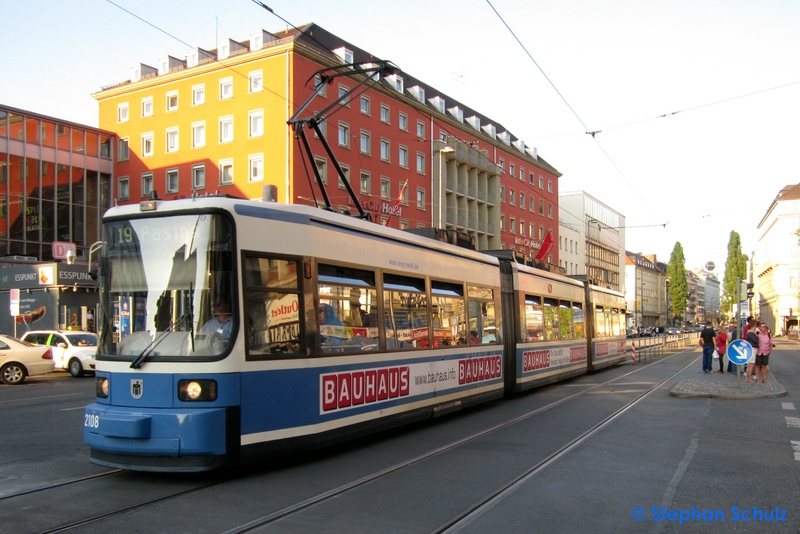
x=232, y=330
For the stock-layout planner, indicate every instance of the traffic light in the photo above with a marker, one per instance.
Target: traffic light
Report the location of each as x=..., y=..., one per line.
x=750, y=292
x=742, y=288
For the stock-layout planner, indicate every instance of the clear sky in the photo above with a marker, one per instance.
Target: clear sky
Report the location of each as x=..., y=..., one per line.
x=697, y=102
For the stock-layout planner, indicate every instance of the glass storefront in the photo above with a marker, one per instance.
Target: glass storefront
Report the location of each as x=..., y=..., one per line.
x=55, y=184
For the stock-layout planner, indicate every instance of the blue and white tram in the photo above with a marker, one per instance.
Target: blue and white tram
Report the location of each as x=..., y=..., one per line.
x=231, y=329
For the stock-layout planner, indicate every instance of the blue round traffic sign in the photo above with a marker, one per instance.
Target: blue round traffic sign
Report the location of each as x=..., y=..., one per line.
x=740, y=352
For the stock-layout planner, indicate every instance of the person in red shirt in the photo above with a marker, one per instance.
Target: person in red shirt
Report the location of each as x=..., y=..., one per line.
x=722, y=344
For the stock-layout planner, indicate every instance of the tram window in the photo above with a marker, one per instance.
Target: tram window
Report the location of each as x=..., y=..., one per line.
x=272, y=307
x=566, y=324
x=483, y=327
x=551, y=322
x=534, y=319
x=448, y=318
x=348, y=309
x=407, y=314
x=601, y=326
x=617, y=320
x=578, y=318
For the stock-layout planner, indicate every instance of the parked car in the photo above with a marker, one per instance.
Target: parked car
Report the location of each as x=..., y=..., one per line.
x=73, y=350
x=675, y=330
x=19, y=359
x=631, y=332
x=647, y=331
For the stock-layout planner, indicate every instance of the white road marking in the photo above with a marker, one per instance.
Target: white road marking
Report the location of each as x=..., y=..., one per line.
x=792, y=422
x=787, y=405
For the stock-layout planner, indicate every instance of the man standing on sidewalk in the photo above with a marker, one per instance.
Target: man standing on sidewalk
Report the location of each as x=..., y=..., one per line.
x=708, y=336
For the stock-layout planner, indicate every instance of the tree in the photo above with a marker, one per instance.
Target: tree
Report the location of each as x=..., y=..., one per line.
x=735, y=270
x=678, y=286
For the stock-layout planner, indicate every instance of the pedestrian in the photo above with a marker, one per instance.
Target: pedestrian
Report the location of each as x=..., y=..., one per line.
x=708, y=336
x=722, y=343
x=752, y=338
x=762, y=355
x=731, y=335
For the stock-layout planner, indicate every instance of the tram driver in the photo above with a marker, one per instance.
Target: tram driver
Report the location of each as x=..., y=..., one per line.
x=220, y=321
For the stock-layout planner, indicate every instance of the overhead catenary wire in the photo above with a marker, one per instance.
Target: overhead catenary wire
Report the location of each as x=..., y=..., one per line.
x=586, y=128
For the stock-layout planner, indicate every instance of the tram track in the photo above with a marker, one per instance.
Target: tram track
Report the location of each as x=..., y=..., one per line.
x=463, y=519
x=299, y=507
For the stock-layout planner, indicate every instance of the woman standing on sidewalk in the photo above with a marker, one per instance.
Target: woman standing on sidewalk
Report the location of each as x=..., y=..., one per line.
x=722, y=343
x=762, y=356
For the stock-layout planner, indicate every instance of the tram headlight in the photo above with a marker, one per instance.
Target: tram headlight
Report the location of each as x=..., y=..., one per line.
x=101, y=387
x=202, y=390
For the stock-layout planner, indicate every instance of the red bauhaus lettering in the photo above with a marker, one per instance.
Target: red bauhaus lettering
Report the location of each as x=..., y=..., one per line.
x=383, y=384
x=371, y=386
x=358, y=388
x=329, y=392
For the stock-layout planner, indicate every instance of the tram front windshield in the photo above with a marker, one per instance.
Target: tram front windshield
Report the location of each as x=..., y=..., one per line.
x=168, y=288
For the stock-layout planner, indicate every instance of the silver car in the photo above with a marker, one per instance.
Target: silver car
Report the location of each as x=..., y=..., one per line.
x=73, y=350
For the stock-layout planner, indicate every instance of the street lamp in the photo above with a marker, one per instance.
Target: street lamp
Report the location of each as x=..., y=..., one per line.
x=668, y=318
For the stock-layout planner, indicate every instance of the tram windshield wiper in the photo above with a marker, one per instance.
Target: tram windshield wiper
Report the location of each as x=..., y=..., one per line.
x=148, y=350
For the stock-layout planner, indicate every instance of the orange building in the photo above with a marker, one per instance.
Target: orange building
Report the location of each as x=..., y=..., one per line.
x=216, y=121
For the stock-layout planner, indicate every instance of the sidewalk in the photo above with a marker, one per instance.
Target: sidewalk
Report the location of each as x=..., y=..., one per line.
x=726, y=386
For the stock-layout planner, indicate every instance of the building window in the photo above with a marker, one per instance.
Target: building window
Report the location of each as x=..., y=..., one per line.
x=521, y=174
x=172, y=139
x=343, y=100
x=541, y=233
x=511, y=168
x=513, y=225
x=420, y=198
x=344, y=134
x=502, y=164
x=385, y=113
x=532, y=231
x=346, y=173
x=421, y=162
x=522, y=228
x=172, y=180
x=549, y=186
x=122, y=112
x=385, y=185
x=549, y=211
x=198, y=134
x=502, y=222
x=442, y=136
x=172, y=100
x=322, y=169
x=522, y=201
x=365, y=104
x=123, y=152
x=147, y=144
x=257, y=123
x=256, y=168
x=385, y=150
x=366, y=143
x=256, y=81
x=532, y=203
x=502, y=193
x=226, y=88
x=365, y=186
x=421, y=129
x=541, y=207
x=199, y=176
x=512, y=197
x=402, y=121
x=320, y=86
x=226, y=172
x=147, y=184
x=403, y=157
x=226, y=129
x=123, y=188
x=403, y=193
x=147, y=106
x=198, y=94
x=541, y=182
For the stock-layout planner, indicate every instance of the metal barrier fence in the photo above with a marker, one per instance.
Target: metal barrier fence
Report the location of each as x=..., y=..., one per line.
x=643, y=349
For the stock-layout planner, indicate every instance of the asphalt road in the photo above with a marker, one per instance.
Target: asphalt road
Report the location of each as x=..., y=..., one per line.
x=664, y=464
